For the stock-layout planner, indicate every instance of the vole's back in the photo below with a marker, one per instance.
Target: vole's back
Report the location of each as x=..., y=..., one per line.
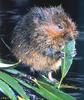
x=40, y=35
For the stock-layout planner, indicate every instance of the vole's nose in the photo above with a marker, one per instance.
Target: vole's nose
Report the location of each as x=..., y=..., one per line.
x=69, y=36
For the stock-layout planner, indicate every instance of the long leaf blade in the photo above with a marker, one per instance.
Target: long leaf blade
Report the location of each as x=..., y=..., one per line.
x=4, y=64
x=57, y=92
x=42, y=91
x=47, y=91
x=4, y=88
x=68, y=58
x=14, y=84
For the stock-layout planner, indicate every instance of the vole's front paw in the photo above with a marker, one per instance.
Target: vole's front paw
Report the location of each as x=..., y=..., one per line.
x=50, y=52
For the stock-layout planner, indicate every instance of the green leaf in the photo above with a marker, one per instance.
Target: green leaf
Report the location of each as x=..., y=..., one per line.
x=47, y=91
x=4, y=88
x=40, y=90
x=3, y=64
x=14, y=84
x=62, y=95
x=68, y=58
x=14, y=71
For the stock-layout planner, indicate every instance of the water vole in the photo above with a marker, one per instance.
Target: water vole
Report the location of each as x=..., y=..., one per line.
x=38, y=38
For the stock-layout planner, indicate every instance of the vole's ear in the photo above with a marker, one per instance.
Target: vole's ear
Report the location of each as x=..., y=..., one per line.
x=60, y=8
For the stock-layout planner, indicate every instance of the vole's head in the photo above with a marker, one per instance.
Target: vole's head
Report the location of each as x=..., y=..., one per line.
x=53, y=27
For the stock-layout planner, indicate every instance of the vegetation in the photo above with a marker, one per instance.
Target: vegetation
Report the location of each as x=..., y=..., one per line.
x=11, y=83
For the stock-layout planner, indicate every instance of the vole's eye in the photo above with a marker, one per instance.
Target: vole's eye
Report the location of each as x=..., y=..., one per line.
x=60, y=26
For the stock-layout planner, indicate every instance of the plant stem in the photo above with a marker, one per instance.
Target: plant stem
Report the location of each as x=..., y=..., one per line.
x=6, y=44
x=60, y=83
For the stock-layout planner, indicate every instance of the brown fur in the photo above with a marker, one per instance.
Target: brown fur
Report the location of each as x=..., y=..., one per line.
x=39, y=29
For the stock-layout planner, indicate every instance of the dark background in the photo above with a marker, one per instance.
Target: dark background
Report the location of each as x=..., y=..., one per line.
x=11, y=11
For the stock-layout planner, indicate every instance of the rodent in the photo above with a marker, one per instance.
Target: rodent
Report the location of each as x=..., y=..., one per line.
x=41, y=34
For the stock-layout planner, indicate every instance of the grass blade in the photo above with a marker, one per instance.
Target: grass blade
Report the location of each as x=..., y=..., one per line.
x=3, y=64
x=14, y=84
x=4, y=88
x=14, y=71
x=40, y=90
x=47, y=91
x=57, y=92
